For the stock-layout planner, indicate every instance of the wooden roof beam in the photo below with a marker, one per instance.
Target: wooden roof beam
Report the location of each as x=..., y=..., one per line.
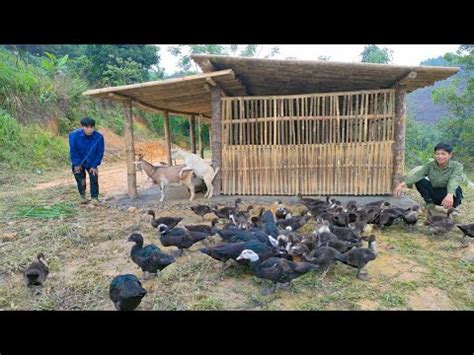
x=148, y=107
x=403, y=81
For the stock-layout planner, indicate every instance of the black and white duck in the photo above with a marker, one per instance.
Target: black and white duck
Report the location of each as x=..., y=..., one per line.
x=36, y=273
x=150, y=258
x=293, y=223
x=179, y=237
x=171, y=222
x=224, y=252
x=201, y=210
x=282, y=212
x=278, y=270
x=126, y=292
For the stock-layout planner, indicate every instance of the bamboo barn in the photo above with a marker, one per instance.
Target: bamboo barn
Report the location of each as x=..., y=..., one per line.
x=279, y=127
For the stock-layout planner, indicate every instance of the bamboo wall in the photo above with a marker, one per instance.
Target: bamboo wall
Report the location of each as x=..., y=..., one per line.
x=338, y=143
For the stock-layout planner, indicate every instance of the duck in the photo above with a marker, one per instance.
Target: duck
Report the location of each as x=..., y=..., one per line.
x=441, y=227
x=360, y=257
x=240, y=218
x=268, y=217
x=468, y=231
x=293, y=223
x=281, y=212
x=179, y=237
x=37, y=272
x=387, y=216
x=324, y=257
x=201, y=210
x=431, y=218
x=410, y=216
x=345, y=234
x=171, y=222
x=150, y=258
x=278, y=270
x=126, y=292
x=225, y=212
x=224, y=252
x=202, y=228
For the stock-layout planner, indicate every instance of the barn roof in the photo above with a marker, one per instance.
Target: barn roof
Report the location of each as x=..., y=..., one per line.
x=241, y=76
x=186, y=95
x=289, y=77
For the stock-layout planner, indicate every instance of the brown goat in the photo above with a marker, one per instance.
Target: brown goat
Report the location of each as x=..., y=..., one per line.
x=164, y=175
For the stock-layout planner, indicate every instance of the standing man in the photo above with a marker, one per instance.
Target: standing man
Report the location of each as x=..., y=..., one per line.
x=86, y=148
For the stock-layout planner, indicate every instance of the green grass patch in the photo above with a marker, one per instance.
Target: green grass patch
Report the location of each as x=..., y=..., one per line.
x=57, y=210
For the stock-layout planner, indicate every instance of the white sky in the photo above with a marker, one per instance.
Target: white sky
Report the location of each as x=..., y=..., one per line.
x=402, y=54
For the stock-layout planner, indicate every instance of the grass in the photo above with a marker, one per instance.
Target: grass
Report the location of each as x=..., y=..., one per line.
x=87, y=249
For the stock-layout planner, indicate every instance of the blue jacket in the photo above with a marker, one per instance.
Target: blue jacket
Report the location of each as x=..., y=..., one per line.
x=87, y=151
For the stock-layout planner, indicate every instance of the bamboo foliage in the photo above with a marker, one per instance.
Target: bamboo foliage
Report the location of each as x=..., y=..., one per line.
x=339, y=143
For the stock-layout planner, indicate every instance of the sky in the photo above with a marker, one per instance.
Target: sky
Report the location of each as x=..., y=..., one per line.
x=409, y=54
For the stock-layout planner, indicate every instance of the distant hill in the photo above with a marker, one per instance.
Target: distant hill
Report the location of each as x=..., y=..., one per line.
x=420, y=105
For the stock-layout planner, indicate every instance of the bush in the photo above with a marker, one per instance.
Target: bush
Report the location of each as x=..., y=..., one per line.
x=30, y=147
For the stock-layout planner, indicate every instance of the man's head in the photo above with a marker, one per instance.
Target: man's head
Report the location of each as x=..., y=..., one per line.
x=443, y=152
x=88, y=125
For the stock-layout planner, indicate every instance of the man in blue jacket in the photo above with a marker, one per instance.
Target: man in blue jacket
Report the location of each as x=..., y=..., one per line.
x=86, y=148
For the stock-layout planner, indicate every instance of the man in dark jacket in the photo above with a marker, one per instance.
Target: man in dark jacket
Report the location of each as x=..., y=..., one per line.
x=86, y=148
x=444, y=175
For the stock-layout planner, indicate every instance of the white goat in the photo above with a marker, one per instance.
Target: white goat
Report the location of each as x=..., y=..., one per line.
x=200, y=167
x=164, y=175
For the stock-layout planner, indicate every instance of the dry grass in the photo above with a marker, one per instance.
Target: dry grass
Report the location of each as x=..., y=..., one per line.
x=85, y=251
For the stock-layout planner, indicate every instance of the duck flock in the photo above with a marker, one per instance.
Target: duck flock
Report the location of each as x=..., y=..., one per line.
x=271, y=245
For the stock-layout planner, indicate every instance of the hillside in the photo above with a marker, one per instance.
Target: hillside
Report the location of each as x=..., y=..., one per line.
x=420, y=105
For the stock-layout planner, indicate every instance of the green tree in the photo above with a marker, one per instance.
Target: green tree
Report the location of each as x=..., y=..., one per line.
x=458, y=126
x=104, y=57
x=187, y=66
x=375, y=54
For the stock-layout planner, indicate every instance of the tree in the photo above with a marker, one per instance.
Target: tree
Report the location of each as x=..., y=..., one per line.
x=105, y=57
x=187, y=66
x=375, y=54
x=458, y=126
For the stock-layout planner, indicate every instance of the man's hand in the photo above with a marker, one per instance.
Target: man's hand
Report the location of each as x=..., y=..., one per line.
x=448, y=201
x=398, y=189
x=93, y=171
x=77, y=169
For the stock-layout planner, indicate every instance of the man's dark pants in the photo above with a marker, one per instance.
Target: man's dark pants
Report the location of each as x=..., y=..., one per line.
x=436, y=195
x=81, y=182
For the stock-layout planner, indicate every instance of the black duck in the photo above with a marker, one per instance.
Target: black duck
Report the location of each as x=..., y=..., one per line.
x=126, y=292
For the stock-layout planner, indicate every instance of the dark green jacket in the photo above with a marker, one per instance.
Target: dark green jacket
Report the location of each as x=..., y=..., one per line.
x=449, y=177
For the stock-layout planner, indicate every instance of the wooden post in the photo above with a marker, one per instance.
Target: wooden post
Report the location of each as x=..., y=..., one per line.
x=399, y=135
x=130, y=149
x=192, y=137
x=168, y=138
x=216, y=129
x=201, y=150
x=210, y=135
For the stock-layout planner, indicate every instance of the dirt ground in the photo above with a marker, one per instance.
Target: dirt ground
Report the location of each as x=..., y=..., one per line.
x=413, y=271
